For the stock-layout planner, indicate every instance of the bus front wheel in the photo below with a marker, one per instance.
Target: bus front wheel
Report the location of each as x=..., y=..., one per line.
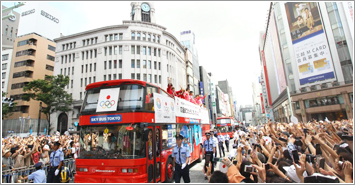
x=169, y=171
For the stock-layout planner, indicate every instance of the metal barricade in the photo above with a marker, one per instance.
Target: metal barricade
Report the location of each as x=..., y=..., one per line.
x=14, y=176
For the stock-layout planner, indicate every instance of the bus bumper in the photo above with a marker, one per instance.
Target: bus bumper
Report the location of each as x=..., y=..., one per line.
x=79, y=178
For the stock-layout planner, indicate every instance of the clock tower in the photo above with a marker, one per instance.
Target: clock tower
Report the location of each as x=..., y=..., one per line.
x=143, y=11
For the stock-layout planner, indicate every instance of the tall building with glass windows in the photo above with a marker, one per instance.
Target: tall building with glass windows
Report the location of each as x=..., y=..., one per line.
x=308, y=48
x=138, y=49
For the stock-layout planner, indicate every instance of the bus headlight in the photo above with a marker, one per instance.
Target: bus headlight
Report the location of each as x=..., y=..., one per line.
x=130, y=170
x=83, y=169
x=124, y=170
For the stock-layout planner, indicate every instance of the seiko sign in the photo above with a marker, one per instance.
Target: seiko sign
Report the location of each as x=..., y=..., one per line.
x=45, y=14
x=28, y=12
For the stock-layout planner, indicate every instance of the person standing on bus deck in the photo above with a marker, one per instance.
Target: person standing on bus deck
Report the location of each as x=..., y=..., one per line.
x=55, y=164
x=226, y=141
x=209, y=148
x=181, y=156
x=220, y=144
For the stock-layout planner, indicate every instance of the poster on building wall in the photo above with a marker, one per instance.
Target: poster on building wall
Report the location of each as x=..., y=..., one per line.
x=164, y=109
x=349, y=13
x=276, y=52
x=309, y=41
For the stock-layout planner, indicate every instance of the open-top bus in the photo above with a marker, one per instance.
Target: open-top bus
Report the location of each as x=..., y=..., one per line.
x=128, y=129
x=226, y=125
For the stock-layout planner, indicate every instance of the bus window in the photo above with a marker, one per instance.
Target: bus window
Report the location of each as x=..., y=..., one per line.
x=111, y=142
x=150, y=144
x=149, y=99
x=157, y=136
x=130, y=98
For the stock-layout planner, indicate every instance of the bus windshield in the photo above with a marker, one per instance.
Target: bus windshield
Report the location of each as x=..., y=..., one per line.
x=225, y=129
x=111, y=142
x=130, y=98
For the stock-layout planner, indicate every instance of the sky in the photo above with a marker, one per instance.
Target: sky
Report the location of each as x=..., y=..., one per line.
x=227, y=32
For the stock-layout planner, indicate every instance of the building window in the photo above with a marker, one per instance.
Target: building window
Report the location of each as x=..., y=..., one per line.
x=144, y=77
x=11, y=31
x=62, y=59
x=133, y=36
x=90, y=67
x=138, y=36
x=155, y=52
x=351, y=97
x=149, y=51
x=73, y=57
x=61, y=71
x=111, y=37
x=149, y=64
x=120, y=64
x=155, y=65
x=158, y=39
x=149, y=78
x=87, y=54
x=144, y=64
x=71, y=84
x=105, y=51
x=138, y=50
x=155, y=79
x=138, y=76
x=5, y=57
x=167, y=67
x=110, y=64
x=132, y=49
x=159, y=79
x=6, y=29
x=81, y=82
x=144, y=50
x=104, y=77
x=50, y=68
x=143, y=36
x=65, y=71
x=90, y=53
x=132, y=63
x=52, y=48
x=49, y=57
x=120, y=50
x=81, y=95
x=116, y=37
x=115, y=64
x=109, y=77
x=82, y=55
x=153, y=40
x=115, y=50
x=110, y=50
x=114, y=76
x=86, y=68
x=120, y=76
x=138, y=64
x=105, y=65
x=148, y=37
x=106, y=38
x=121, y=36
x=68, y=70
x=132, y=76
x=83, y=42
x=72, y=70
x=94, y=66
x=69, y=58
x=66, y=58
x=159, y=65
x=95, y=53
x=82, y=68
x=94, y=79
x=4, y=66
x=3, y=75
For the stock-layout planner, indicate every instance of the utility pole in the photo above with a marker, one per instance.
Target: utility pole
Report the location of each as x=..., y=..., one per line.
x=39, y=117
x=11, y=8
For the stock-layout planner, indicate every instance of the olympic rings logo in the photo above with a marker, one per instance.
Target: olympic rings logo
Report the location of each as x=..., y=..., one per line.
x=107, y=104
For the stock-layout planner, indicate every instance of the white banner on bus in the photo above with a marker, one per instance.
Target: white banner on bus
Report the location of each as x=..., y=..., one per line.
x=187, y=109
x=164, y=109
x=204, y=116
x=108, y=100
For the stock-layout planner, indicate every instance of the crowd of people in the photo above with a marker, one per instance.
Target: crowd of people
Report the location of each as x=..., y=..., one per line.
x=37, y=151
x=313, y=152
x=185, y=94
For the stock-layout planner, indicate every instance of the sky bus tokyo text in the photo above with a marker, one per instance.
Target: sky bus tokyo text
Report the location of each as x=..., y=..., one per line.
x=125, y=139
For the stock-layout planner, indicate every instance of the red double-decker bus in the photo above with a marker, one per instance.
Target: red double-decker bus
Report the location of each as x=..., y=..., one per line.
x=123, y=135
x=226, y=125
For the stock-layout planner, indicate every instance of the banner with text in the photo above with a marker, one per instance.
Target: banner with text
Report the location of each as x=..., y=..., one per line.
x=164, y=109
x=310, y=44
x=187, y=109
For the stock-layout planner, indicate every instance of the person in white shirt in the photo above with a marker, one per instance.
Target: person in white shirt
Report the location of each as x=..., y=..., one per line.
x=300, y=10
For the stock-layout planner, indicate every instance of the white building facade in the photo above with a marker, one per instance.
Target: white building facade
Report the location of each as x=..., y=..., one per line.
x=6, y=57
x=137, y=49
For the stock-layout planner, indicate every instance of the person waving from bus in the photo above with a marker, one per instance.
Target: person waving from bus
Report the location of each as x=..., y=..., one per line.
x=171, y=89
x=181, y=156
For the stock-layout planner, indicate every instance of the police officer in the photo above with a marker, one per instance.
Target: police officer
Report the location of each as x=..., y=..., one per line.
x=220, y=144
x=181, y=155
x=215, y=141
x=55, y=164
x=226, y=141
x=209, y=148
x=39, y=176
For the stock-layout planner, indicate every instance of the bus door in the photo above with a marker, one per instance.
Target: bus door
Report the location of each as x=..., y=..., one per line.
x=154, y=154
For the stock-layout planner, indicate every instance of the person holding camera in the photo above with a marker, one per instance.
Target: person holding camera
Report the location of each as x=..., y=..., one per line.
x=208, y=149
x=56, y=161
x=181, y=156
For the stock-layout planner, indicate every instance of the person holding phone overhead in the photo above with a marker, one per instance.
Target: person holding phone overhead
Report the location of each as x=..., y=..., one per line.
x=209, y=148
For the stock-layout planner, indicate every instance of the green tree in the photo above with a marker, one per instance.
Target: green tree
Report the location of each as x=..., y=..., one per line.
x=6, y=108
x=51, y=92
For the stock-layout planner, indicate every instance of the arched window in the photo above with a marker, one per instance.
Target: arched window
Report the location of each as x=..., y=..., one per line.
x=138, y=36
x=153, y=38
x=133, y=36
x=158, y=39
x=143, y=36
x=148, y=37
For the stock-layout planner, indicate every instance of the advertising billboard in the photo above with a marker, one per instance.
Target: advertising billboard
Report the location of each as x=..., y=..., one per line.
x=349, y=13
x=276, y=52
x=309, y=41
x=266, y=76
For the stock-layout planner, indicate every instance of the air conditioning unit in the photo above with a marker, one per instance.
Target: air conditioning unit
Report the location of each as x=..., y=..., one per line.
x=313, y=88
x=336, y=84
x=303, y=89
x=324, y=85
